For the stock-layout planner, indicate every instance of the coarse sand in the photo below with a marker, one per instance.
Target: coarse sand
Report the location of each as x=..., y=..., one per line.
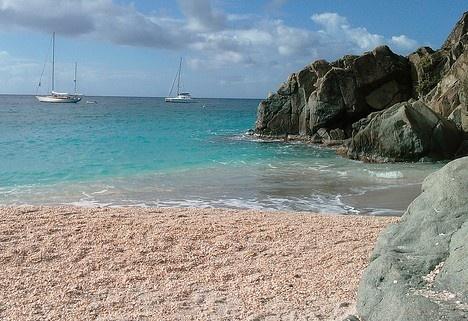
x=72, y=263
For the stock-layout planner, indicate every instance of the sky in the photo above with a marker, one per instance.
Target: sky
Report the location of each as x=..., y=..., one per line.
x=230, y=48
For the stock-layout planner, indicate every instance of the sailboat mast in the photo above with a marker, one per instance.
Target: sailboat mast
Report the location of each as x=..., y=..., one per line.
x=53, y=61
x=178, y=78
x=74, y=79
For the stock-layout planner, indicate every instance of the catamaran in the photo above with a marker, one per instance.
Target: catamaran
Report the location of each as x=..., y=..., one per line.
x=181, y=97
x=57, y=97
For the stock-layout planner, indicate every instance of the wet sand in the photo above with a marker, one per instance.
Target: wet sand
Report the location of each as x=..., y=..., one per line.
x=70, y=263
x=390, y=201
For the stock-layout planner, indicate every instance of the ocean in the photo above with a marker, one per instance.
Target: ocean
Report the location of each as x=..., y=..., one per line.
x=127, y=151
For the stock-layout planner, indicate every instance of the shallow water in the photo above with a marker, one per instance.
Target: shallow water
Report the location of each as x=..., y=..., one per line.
x=145, y=152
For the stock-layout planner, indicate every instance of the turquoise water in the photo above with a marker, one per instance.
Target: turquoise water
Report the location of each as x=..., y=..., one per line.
x=145, y=152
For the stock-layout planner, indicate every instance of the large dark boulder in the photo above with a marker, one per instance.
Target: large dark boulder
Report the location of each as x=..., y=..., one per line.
x=419, y=267
x=283, y=112
x=406, y=131
x=334, y=95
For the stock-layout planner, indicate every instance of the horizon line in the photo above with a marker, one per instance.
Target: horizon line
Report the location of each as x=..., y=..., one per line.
x=131, y=96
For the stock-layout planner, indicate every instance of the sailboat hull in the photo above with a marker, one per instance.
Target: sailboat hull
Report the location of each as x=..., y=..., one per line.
x=179, y=100
x=54, y=99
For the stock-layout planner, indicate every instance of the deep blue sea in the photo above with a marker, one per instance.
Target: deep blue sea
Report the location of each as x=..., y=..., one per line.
x=126, y=151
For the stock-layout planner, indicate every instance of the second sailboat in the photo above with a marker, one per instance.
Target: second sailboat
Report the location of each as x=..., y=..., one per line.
x=181, y=97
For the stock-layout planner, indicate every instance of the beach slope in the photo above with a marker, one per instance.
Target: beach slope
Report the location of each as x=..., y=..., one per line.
x=70, y=263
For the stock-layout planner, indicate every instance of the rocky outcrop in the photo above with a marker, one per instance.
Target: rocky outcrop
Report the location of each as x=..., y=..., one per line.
x=451, y=91
x=419, y=267
x=329, y=102
x=334, y=95
x=406, y=131
x=440, y=78
x=459, y=32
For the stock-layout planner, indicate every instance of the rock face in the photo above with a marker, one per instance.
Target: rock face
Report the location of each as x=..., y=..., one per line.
x=419, y=268
x=404, y=132
x=334, y=95
x=459, y=32
x=450, y=91
x=323, y=101
x=440, y=77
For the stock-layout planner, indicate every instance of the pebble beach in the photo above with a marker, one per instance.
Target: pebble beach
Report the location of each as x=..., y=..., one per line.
x=76, y=263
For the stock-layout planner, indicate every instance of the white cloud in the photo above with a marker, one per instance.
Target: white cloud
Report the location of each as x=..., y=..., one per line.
x=338, y=33
x=293, y=41
x=341, y=37
x=4, y=54
x=404, y=43
x=211, y=38
x=332, y=22
x=233, y=17
x=205, y=30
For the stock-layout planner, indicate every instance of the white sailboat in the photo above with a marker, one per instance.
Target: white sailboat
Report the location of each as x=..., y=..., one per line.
x=181, y=97
x=57, y=97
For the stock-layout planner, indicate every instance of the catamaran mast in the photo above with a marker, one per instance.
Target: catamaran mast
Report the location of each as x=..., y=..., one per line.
x=178, y=77
x=53, y=61
x=74, y=79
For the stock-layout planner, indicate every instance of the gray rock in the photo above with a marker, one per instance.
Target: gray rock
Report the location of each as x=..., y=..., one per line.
x=323, y=133
x=463, y=150
x=345, y=62
x=404, y=132
x=273, y=115
x=460, y=30
x=327, y=104
x=316, y=139
x=344, y=93
x=450, y=90
x=383, y=96
x=440, y=77
x=328, y=137
x=337, y=134
x=419, y=267
x=334, y=95
x=456, y=117
x=427, y=69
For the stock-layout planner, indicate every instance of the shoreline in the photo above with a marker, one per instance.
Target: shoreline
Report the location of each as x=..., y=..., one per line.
x=180, y=263
x=385, y=201
x=389, y=200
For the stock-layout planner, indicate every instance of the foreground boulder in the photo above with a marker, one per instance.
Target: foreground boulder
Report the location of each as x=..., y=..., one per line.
x=419, y=267
x=407, y=131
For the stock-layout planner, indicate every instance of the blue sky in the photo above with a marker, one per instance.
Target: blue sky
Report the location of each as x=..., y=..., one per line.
x=230, y=48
